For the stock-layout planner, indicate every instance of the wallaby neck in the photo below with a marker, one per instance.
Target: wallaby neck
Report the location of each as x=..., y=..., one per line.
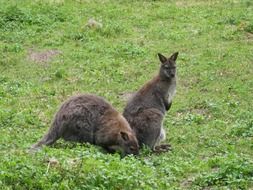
x=158, y=84
x=165, y=84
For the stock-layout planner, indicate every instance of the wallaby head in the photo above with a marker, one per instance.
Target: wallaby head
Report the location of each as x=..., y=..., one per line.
x=127, y=144
x=168, y=66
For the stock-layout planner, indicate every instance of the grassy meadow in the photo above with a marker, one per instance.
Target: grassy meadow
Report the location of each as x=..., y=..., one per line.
x=49, y=51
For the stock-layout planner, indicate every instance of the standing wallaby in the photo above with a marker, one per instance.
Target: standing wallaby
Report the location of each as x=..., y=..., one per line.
x=89, y=118
x=146, y=109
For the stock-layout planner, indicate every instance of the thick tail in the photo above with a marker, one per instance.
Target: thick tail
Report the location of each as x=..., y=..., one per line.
x=48, y=139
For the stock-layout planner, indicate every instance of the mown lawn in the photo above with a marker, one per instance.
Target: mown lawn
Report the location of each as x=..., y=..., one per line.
x=48, y=53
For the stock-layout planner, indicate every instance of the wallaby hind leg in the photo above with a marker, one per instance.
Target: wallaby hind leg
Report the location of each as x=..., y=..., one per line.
x=162, y=136
x=148, y=127
x=149, y=137
x=50, y=138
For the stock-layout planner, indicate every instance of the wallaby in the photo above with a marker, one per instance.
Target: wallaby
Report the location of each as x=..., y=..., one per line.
x=146, y=109
x=89, y=118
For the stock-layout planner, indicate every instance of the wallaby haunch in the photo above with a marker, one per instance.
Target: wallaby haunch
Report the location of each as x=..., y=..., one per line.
x=146, y=109
x=89, y=118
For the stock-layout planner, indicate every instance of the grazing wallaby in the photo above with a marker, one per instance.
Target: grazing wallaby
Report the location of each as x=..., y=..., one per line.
x=146, y=109
x=89, y=118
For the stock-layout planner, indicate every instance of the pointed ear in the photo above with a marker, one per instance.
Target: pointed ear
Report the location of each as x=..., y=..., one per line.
x=162, y=58
x=124, y=136
x=174, y=56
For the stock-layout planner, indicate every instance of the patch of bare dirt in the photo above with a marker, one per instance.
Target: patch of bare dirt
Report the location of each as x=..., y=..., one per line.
x=43, y=56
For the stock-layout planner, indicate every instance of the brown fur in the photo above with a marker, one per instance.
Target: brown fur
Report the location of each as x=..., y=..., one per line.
x=146, y=110
x=150, y=84
x=89, y=118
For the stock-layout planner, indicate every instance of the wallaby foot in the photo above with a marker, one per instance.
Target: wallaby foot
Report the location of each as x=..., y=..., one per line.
x=162, y=148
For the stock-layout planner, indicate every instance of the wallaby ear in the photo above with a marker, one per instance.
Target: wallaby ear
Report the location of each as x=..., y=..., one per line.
x=174, y=56
x=162, y=58
x=124, y=136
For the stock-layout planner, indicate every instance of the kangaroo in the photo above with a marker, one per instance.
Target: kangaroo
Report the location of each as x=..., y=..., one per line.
x=89, y=118
x=145, y=111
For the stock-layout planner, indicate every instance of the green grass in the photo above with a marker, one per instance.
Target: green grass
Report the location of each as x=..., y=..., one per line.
x=210, y=124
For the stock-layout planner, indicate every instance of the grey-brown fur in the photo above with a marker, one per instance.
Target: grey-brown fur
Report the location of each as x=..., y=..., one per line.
x=89, y=118
x=146, y=110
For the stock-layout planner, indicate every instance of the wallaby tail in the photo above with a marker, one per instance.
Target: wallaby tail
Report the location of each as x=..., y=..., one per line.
x=48, y=139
